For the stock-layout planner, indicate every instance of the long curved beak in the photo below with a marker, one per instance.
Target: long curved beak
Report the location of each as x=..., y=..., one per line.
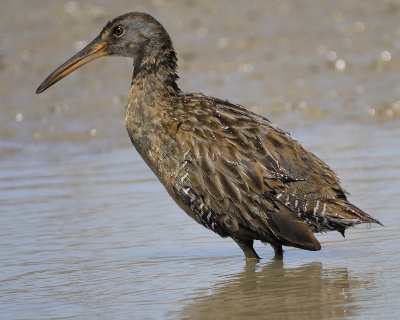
x=92, y=51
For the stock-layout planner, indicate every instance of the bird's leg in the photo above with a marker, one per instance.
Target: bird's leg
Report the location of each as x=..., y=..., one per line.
x=278, y=251
x=247, y=247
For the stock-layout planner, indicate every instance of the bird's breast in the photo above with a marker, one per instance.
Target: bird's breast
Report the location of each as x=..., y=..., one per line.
x=153, y=132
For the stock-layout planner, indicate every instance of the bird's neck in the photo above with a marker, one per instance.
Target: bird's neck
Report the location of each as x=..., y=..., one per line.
x=151, y=102
x=153, y=89
x=154, y=72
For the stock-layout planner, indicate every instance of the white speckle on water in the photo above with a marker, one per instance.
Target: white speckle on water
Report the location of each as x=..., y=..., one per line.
x=19, y=116
x=340, y=64
x=396, y=105
x=386, y=56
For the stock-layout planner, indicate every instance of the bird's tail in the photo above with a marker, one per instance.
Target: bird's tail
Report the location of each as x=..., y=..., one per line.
x=341, y=209
x=341, y=214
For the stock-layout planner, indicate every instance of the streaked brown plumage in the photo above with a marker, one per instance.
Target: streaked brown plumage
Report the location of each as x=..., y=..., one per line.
x=230, y=169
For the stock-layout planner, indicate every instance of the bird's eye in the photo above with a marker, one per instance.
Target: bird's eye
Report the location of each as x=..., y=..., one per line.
x=118, y=31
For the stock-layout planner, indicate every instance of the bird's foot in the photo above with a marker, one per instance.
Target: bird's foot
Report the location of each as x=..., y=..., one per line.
x=252, y=259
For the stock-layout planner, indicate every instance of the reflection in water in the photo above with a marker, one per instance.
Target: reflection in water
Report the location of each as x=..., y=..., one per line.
x=306, y=292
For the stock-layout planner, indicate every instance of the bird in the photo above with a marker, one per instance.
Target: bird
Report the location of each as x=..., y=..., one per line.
x=230, y=169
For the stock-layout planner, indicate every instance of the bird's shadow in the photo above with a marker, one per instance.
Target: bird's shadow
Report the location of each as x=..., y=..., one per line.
x=273, y=291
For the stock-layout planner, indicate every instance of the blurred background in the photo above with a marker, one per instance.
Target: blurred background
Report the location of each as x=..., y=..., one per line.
x=87, y=231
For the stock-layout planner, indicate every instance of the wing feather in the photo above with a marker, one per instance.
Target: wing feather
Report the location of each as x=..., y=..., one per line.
x=256, y=178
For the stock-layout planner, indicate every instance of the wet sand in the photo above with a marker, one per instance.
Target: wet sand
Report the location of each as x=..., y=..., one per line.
x=88, y=232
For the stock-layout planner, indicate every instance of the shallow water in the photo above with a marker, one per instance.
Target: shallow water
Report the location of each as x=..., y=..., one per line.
x=87, y=231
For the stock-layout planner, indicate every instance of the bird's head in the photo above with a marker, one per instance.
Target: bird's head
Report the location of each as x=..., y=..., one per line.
x=130, y=35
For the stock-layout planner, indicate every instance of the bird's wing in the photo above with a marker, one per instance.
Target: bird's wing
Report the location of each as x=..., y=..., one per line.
x=257, y=179
x=230, y=167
